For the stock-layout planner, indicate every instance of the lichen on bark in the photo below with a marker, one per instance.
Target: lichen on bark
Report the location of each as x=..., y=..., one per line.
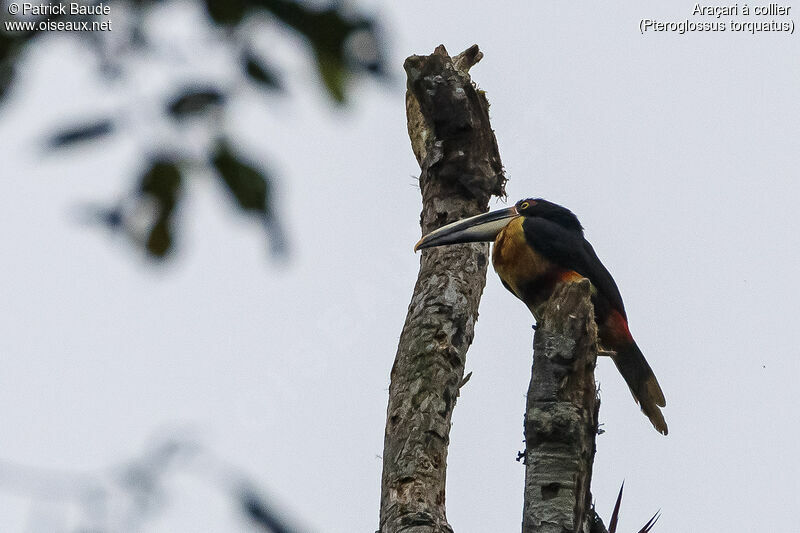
x=561, y=416
x=451, y=136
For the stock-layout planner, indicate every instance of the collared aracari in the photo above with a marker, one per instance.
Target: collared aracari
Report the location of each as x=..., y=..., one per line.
x=537, y=246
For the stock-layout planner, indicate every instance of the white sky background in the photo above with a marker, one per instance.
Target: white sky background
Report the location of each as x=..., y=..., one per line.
x=679, y=153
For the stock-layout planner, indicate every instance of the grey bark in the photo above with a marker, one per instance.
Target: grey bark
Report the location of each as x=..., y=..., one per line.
x=561, y=416
x=448, y=123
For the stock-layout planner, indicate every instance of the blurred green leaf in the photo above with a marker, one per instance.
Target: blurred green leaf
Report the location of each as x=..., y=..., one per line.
x=260, y=73
x=328, y=32
x=162, y=183
x=333, y=74
x=227, y=11
x=258, y=510
x=6, y=62
x=247, y=185
x=11, y=42
x=84, y=132
x=6, y=74
x=194, y=101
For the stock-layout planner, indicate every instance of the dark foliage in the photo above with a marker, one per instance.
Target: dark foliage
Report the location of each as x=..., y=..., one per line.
x=86, y=132
x=342, y=42
x=260, y=73
x=162, y=184
x=248, y=186
x=192, y=101
x=257, y=510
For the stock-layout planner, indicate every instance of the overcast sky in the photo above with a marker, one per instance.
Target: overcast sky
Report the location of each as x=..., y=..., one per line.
x=679, y=153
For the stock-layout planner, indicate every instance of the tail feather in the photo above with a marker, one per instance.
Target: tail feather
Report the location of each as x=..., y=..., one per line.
x=643, y=383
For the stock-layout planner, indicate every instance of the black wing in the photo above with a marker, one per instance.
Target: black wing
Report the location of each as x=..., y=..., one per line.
x=569, y=249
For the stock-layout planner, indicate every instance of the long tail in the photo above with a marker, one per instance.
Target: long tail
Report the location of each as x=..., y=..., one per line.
x=643, y=383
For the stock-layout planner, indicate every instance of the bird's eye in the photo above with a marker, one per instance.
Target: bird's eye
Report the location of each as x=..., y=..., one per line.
x=524, y=205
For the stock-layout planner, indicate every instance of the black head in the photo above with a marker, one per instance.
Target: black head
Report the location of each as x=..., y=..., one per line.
x=487, y=226
x=537, y=207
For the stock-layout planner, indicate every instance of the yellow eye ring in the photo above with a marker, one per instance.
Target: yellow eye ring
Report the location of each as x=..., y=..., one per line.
x=524, y=205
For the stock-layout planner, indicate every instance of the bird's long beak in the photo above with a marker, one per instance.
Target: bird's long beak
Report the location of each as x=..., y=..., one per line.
x=480, y=228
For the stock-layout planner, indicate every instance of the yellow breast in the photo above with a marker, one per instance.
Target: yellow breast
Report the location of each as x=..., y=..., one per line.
x=515, y=261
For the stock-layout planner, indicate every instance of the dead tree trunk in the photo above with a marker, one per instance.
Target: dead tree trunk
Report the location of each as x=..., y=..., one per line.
x=561, y=416
x=448, y=123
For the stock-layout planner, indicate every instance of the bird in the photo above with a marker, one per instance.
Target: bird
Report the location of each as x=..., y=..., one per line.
x=539, y=245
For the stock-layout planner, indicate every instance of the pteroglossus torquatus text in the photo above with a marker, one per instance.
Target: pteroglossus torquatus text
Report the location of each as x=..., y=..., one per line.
x=538, y=245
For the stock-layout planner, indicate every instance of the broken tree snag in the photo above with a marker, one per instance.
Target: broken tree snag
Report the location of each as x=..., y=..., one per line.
x=561, y=415
x=448, y=123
